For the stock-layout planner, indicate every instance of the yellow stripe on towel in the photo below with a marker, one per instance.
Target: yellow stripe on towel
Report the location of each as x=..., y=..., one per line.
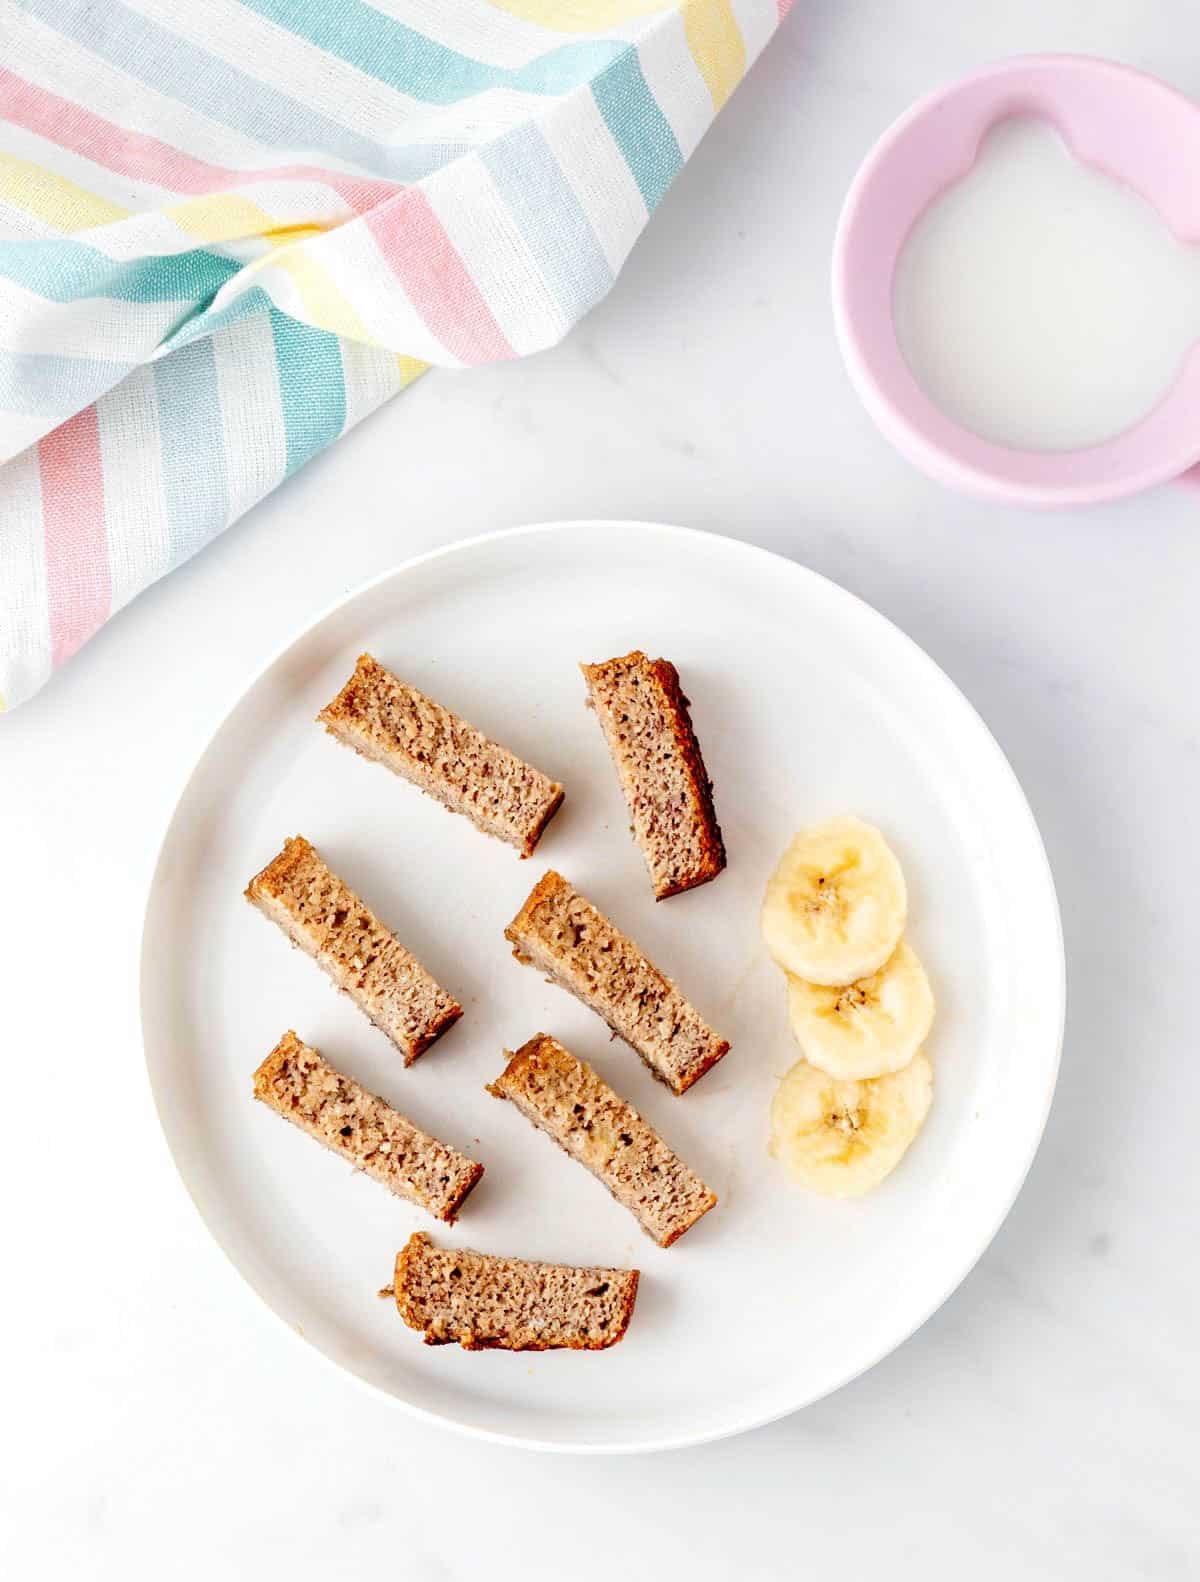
x=713, y=35
x=228, y=217
x=717, y=46
x=581, y=16
x=53, y=199
x=410, y=368
x=325, y=304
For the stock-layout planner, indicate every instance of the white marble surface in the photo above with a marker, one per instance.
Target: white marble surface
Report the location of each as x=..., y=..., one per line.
x=1044, y=1423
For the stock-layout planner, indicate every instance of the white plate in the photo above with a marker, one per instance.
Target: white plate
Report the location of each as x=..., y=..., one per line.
x=807, y=703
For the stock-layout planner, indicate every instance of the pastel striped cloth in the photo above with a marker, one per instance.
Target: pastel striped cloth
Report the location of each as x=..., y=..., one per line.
x=229, y=229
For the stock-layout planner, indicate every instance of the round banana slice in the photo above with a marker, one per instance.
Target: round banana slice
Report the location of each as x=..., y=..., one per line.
x=842, y=1138
x=866, y=1029
x=836, y=905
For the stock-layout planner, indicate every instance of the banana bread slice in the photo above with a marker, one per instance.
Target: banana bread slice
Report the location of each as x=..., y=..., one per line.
x=384, y=719
x=484, y=1302
x=648, y=727
x=328, y=922
x=566, y=1099
x=564, y=936
x=298, y=1084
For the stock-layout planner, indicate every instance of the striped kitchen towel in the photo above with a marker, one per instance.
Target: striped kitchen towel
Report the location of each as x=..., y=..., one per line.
x=231, y=228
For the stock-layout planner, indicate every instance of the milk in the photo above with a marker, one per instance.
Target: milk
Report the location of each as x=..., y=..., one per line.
x=1042, y=304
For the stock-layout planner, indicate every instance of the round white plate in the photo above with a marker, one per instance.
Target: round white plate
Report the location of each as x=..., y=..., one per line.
x=806, y=703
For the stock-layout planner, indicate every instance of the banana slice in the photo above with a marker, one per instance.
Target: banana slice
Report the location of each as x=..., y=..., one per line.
x=866, y=1029
x=842, y=1138
x=836, y=905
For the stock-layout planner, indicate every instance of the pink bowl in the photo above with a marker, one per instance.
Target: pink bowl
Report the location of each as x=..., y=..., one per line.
x=1133, y=127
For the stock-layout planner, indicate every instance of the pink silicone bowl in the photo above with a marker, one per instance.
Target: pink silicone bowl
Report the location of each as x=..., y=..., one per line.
x=1131, y=126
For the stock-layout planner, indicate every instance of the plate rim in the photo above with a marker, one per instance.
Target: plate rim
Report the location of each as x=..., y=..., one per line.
x=753, y=1419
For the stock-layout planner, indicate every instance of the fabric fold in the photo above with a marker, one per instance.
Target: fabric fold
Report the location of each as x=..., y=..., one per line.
x=230, y=231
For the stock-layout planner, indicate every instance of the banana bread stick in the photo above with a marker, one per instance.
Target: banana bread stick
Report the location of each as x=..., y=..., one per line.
x=386, y=720
x=487, y=1303
x=326, y=920
x=566, y=1099
x=648, y=726
x=297, y=1083
x=563, y=935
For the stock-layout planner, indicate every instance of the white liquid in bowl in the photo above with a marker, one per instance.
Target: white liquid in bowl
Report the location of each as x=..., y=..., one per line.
x=1040, y=303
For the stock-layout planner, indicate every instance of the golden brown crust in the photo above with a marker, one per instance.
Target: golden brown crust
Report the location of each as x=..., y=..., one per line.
x=367, y=670
x=689, y=749
x=550, y=883
x=399, y=1285
x=539, y=829
x=719, y=1051
x=541, y=1052
x=296, y=852
x=454, y=1207
x=285, y=1050
x=439, y=1025
x=627, y=1306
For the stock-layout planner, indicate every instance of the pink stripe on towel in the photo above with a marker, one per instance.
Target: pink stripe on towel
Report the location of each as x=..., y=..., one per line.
x=78, y=583
x=416, y=248
x=145, y=158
